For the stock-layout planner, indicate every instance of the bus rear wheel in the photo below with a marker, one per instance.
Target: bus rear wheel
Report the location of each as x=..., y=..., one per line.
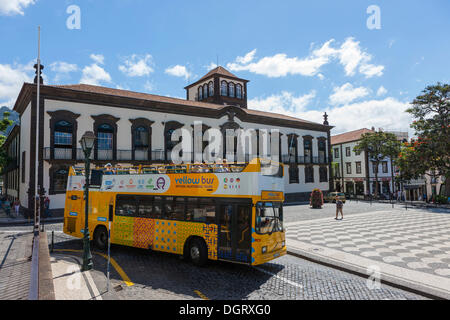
x=101, y=238
x=198, y=252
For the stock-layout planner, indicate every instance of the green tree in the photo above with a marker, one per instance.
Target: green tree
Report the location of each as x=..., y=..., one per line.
x=4, y=124
x=432, y=127
x=378, y=145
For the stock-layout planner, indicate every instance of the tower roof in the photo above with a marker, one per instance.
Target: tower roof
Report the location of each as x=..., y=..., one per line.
x=221, y=71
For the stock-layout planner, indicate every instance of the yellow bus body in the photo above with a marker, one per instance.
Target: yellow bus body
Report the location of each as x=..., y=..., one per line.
x=247, y=186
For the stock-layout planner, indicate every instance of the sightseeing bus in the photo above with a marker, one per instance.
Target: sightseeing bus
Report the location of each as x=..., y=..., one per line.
x=219, y=212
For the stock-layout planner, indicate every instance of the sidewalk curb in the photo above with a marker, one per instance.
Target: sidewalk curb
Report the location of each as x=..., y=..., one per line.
x=30, y=222
x=386, y=279
x=46, y=288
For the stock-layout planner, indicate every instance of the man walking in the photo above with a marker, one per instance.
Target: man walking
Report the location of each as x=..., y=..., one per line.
x=339, y=206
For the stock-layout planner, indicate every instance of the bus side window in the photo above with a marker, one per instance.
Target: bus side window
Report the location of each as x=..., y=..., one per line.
x=174, y=208
x=157, y=208
x=145, y=207
x=126, y=206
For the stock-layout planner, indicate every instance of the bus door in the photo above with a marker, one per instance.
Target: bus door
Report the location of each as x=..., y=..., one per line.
x=235, y=232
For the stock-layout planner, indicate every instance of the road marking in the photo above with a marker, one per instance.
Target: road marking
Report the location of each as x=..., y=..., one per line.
x=118, y=269
x=93, y=290
x=292, y=283
x=201, y=295
x=24, y=231
x=116, y=266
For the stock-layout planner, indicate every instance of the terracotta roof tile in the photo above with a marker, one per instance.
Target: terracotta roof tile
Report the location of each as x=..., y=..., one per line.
x=218, y=70
x=169, y=100
x=349, y=136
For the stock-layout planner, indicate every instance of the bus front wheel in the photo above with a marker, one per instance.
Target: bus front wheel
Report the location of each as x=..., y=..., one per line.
x=101, y=238
x=198, y=252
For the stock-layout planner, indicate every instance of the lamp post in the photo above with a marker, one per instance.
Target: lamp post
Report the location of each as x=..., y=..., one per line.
x=87, y=143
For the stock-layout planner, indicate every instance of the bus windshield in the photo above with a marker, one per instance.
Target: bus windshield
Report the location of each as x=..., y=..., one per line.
x=269, y=217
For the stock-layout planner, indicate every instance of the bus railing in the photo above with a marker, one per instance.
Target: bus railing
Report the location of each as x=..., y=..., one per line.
x=168, y=169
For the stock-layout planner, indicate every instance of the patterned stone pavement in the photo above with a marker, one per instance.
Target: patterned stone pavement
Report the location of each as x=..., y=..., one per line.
x=415, y=240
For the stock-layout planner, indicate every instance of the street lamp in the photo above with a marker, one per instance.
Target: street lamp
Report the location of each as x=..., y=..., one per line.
x=87, y=144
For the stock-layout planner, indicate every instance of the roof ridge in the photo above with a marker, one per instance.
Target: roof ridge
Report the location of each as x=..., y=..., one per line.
x=164, y=99
x=362, y=129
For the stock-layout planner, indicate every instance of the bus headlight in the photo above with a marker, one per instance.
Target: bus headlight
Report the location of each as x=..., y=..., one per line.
x=283, y=243
x=264, y=249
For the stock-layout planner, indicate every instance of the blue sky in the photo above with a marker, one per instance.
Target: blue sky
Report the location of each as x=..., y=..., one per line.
x=302, y=57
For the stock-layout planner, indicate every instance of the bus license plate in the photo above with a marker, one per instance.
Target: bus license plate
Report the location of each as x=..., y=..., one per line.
x=276, y=255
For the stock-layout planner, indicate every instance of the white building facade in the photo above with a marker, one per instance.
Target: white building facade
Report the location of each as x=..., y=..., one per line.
x=354, y=173
x=135, y=128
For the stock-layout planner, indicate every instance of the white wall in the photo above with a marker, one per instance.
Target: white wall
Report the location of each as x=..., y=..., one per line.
x=25, y=121
x=86, y=123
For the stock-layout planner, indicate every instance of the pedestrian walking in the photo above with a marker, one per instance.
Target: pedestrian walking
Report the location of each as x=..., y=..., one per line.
x=7, y=207
x=339, y=207
x=17, y=207
x=47, y=207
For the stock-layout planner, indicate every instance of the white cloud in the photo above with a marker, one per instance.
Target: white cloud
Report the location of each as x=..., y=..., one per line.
x=284, y=103
x=63, y=67
x=98, y=58
x=381, y=91
x=346, y=117
x=148, y=86
x=247, y=58
x=370, y=113
x=349, y=54
x=94, y=74
x=137, y=65
x=346, y=94
x=13, y=7
x=62, y=70
x=12, y=79
x=210, y=66
x=391, y=43
x=178, y=71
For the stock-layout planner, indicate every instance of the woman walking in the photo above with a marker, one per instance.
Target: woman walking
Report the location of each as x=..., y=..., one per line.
x=17, y=207
x=339, y=206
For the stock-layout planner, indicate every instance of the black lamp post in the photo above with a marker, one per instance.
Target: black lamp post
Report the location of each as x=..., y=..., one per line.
x=87, y=144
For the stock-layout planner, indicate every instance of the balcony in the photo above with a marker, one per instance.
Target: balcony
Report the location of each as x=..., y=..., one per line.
x=286, y=159
x=103, y=155
x=61, y=154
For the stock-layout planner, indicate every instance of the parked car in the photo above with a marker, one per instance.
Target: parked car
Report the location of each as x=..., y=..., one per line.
x=331, y=197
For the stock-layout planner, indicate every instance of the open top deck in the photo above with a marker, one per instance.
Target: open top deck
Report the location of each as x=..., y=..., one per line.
x=236, y=179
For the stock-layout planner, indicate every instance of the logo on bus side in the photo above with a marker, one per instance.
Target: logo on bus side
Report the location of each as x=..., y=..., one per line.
x=200, y=182
x=140, y=184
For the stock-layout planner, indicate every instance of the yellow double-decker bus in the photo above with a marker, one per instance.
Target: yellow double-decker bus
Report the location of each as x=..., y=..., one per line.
x=220, y=212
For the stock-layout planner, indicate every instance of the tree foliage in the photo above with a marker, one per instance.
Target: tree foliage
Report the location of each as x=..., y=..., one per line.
x=430, y=152
x=4, y=124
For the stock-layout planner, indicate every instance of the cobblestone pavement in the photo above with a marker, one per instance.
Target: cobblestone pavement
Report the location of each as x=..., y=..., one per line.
x=415, y=239
x=351, y=207
x=164, y=276
x=15, y=267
